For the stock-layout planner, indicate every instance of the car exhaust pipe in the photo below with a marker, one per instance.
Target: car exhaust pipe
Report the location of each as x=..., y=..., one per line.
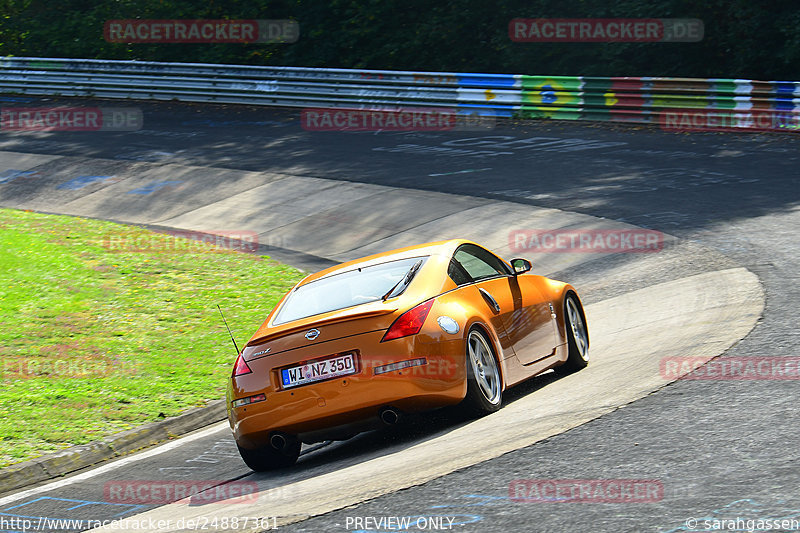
x=389, y=416
x=279, y=442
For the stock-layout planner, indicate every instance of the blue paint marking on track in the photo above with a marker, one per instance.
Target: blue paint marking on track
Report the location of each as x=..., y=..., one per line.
x=129, y=507
x=485, y=500
x=16, y=99
x=10, y=175
x=43, y=523
x=155, y=186
x=82, y=181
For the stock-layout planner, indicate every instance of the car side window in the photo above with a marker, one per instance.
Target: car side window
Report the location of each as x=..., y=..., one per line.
x=477, y=263
x=457, y=273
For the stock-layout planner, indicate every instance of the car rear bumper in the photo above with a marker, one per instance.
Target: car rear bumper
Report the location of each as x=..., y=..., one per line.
x=332, y=408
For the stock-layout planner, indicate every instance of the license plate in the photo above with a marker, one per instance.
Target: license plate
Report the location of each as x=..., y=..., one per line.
x=322, y=369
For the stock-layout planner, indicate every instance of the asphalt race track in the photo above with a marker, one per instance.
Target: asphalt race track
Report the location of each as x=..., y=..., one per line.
x=725, y=281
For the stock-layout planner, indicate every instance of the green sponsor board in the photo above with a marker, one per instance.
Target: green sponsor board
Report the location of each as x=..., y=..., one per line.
x=552, y=91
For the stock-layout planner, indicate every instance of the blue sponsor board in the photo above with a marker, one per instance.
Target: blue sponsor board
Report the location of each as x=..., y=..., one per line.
x=493, y=81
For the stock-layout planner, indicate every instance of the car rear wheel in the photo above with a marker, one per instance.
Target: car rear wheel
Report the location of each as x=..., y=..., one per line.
x=484, y=385
x=269, y=458
x=577, y=338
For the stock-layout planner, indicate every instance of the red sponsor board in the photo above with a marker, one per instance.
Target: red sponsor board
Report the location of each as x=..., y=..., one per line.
x=601, y=241
x=322, y=119
x=180, y=241
x=586, y=490
x=162, y=492
x=200, y=31
x=766, y=368
x=729, y=120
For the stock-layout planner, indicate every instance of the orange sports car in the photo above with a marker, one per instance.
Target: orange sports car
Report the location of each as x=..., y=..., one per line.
x=359, y=344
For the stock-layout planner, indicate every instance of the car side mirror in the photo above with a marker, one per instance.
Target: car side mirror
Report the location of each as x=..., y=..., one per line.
x=521, y=266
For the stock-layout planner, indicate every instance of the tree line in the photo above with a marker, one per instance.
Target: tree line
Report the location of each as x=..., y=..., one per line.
x=742, y=38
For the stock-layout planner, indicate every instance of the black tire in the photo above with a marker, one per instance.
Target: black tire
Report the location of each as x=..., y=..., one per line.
x=268, y=458
x=484, y=392
x=577, y=337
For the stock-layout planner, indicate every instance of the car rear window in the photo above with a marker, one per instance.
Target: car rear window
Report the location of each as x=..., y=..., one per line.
x=346, y=289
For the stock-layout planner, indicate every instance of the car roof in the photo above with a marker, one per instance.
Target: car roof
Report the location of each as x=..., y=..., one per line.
x=445, y=248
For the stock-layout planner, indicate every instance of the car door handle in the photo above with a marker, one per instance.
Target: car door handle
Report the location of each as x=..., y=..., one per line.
x=490, y=300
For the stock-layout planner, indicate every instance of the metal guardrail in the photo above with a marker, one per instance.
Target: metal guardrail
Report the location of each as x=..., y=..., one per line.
x=620, y=99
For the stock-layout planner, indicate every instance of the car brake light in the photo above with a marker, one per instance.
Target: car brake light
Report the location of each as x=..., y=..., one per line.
x=409, y=323
x=241, y=368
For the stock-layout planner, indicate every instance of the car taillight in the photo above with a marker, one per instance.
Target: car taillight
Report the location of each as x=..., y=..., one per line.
x=250, y=399
x=240, y=368
x=409, y=323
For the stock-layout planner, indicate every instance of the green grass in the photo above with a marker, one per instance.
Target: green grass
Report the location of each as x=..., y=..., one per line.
x=95, y=340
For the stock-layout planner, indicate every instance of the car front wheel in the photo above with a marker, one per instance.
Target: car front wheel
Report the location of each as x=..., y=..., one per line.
x=577, y=338
x=484, y=385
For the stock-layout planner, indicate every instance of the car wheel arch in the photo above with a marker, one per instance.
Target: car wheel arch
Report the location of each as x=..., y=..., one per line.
x=491, y=336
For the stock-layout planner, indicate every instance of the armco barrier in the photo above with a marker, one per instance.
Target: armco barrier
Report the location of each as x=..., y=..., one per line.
x=618, y=99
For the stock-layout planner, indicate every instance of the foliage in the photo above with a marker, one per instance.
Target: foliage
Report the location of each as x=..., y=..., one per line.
x=743, y=39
